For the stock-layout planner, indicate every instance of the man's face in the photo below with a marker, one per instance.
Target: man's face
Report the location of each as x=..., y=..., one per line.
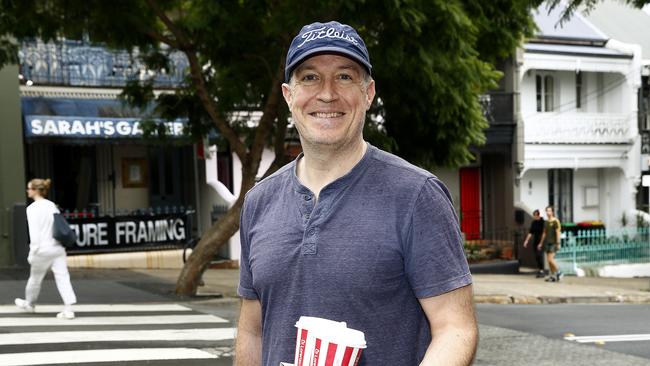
x=549, y=212
x=328, y=100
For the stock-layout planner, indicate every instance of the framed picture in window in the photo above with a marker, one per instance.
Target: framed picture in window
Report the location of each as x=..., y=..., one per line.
x=134, y=173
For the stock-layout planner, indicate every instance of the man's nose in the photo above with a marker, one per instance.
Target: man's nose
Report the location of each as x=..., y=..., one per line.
x=328, y=91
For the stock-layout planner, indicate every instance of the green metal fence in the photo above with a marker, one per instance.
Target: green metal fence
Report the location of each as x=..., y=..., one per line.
x=595, y=248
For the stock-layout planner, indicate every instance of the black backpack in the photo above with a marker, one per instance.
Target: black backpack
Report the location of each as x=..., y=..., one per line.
x=62, y=232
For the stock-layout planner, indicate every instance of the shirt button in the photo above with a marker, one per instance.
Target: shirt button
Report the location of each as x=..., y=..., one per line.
x=312, y=232
x=307, y=197
x=307, y=216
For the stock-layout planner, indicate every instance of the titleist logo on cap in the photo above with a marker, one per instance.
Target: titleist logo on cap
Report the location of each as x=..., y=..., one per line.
x=326, y=32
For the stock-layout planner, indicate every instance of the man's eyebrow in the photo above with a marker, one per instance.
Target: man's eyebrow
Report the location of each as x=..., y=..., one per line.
x=307, y=66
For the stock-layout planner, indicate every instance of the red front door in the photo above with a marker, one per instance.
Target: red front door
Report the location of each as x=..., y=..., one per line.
x=470, y=202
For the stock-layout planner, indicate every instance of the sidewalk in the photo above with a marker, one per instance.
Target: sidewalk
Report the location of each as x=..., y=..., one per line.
x=498, y=289
x=149, y=284
x=526, y=289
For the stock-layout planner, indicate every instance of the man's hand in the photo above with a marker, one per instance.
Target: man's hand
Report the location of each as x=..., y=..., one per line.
x=248, y=345
x=453, y=328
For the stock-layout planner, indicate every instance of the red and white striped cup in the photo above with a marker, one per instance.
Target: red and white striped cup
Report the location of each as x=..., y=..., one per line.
x=322, y=342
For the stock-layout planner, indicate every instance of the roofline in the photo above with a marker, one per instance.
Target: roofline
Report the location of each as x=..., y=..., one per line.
x=569, y=41
x=583, y=54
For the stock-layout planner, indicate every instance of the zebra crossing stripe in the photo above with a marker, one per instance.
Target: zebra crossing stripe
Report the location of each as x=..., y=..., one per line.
x=86, y=308
x=210, y=334
x=108, y=355
x=609, y=338
x=110, y=320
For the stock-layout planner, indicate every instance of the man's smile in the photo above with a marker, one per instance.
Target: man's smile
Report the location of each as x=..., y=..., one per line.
x=326, y=114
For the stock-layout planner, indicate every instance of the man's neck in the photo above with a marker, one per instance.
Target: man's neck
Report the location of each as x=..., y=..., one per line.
x=319, y=167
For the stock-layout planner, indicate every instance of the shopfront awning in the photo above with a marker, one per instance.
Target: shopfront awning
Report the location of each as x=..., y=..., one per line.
x=90, y=120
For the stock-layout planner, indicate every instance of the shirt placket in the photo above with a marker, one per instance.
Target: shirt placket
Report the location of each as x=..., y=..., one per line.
x=310, y=231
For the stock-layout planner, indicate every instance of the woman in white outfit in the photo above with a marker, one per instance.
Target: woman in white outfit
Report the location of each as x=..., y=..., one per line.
x=45, y=252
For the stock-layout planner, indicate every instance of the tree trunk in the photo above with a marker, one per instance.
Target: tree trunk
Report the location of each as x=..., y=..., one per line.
x=211, y=241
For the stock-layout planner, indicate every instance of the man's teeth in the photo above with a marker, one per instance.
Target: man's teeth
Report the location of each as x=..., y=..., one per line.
x=327, y=115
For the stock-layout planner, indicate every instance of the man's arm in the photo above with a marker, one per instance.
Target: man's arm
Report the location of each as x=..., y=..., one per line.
x=541, y=241
x=527, y=239
x=248, y=347
x=453, y=328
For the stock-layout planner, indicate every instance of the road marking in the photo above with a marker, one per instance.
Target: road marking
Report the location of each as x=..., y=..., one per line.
x=609, y=338
x=211, y=334
x=110, y=320
x=109, y=355
x=86, y=308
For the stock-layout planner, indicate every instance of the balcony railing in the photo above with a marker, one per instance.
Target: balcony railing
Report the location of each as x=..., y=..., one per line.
x=579, y=128
x=498, y=108
x=77, y=63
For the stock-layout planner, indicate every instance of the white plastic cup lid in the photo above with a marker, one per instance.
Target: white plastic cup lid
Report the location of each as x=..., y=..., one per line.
x=314, y=323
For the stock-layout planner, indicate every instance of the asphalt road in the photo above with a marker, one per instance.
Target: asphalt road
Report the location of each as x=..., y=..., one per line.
x=554, y=321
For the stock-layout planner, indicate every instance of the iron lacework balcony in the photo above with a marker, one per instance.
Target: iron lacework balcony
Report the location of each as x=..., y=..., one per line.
x=580, y=128
x=78, y=63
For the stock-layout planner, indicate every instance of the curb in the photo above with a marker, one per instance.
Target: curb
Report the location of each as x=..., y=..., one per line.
x=528, y=300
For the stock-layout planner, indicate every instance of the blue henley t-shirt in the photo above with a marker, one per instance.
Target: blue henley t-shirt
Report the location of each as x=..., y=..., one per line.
x=376, y=240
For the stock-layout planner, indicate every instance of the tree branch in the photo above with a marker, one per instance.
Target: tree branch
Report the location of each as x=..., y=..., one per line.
x=181, y=38
x=210, y=106
x=269, y=115
x=161, y=38
x=278, y=147
x=183, y=44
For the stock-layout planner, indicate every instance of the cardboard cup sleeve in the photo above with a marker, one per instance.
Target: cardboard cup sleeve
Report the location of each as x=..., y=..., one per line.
x=323, y=342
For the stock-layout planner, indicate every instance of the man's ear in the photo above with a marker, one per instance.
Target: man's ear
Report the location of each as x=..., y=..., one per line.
x=286, y=93
x=370, y=93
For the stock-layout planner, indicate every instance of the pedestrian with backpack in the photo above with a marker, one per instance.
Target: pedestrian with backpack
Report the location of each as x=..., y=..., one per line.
x=45, y=252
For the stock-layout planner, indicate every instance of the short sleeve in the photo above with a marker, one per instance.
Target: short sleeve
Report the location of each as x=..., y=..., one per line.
x=434, y=258
x=245, y=288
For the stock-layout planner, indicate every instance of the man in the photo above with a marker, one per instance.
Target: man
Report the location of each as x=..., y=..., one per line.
x=535, y=232
x=348, y=232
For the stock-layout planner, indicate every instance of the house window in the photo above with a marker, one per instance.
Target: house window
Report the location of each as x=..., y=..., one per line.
x=544, y=85
x=560, y=193
x=578, y=90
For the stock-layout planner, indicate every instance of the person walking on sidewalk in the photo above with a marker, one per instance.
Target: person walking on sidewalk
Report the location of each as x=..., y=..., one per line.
x=349, y=232
x=45, y=252
x=535, y=233
x=551, y=244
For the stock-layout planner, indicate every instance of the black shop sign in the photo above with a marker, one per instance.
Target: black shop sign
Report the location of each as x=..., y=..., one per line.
x=129, y=232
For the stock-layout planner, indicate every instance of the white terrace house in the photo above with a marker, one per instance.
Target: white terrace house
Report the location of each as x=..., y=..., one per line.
x=579, y=111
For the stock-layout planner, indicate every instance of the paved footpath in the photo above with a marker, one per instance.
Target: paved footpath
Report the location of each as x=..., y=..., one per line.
x=526, y=289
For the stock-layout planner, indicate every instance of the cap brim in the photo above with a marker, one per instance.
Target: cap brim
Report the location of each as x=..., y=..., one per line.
x=327, y=50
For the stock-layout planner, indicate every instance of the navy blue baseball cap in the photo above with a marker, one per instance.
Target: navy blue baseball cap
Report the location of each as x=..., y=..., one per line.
x=330, y=37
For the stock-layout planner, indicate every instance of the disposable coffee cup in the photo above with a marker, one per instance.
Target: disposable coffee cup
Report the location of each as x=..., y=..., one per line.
x=341, y=347
x=323, y=342
x=305, y=339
